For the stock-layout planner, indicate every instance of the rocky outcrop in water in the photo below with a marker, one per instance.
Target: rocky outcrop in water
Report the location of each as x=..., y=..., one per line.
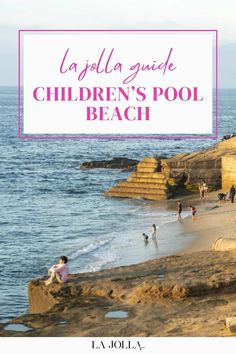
x=121, y=163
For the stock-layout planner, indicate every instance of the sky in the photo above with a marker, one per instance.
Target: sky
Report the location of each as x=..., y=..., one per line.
x=118, y=14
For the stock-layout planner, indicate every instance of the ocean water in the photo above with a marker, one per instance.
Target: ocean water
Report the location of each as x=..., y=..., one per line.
x=50, y=207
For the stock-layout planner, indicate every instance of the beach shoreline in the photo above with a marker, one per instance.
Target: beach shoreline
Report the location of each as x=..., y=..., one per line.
x=172, y=287
x=213, y=220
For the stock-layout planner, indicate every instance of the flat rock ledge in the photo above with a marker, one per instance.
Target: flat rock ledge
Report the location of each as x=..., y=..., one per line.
x=182, y=295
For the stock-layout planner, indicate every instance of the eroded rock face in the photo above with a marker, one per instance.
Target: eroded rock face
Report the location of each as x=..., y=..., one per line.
x=185, y=295
x=159, y=179
x=196, y=274
x=195, y=167
x=122, y=163
x=41, y=298
x=230, y=323
x=228, y=171
x=190, y=169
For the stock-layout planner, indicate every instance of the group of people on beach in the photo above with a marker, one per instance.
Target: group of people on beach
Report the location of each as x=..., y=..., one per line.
x=228, y=136
x=59, y=272
x=154, y=233
x=193, y=210
x=203, y=190
x=223, y=197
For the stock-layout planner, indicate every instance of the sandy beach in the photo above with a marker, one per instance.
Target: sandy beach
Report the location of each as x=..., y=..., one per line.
x=213, y=220
x=187, y=294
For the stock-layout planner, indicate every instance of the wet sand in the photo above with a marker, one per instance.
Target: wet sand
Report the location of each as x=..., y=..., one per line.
x=213, y=220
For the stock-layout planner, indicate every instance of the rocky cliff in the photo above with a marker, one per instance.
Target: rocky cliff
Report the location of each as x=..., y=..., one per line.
x=182, y=295
x=158, y=179
x=228, y=171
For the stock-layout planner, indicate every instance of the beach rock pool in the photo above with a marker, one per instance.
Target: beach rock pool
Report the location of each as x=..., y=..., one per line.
x=116, y=314
x=62, y=323
x=16, y=327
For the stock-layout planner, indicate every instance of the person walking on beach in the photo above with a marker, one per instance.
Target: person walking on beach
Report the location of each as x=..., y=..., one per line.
x=193, y=211
x=58, y=272
x=232, y=194
x=205, y=189
x=201, y=190
x=179, y=210
x=154, y=230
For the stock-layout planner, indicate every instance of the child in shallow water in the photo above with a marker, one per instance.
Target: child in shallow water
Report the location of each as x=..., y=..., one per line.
x=154, y=230
x=179, y=210
x=58, y=272
x=145, y=237
x=193, y=211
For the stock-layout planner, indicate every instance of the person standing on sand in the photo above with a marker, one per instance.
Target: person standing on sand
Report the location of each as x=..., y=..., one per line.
x=205, y=189
x=193, y=211
x=179, y=210
x=201, y=190
x=232, y=194
x=58, y=271
x=154, y=230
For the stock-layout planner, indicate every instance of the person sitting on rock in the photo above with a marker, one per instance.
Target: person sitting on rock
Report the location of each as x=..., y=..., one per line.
x=193, y=211
x=58, y=272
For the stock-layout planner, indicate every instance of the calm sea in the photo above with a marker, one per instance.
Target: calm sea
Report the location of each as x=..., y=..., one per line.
x=50, y=207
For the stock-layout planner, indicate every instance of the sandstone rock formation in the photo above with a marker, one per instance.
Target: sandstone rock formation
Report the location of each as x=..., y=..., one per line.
x=224, y=244
x=228, y=171
x=182, y=295
x=230, y=323
x=147, y=182
x=229, y=143
x=160, y=179
x=173, y=277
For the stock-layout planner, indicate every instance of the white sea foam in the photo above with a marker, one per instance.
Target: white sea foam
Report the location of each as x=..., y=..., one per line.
x=102, y=261
x=88, y=248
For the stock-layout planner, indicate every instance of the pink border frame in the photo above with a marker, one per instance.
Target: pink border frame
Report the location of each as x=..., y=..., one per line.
x=121, y=137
